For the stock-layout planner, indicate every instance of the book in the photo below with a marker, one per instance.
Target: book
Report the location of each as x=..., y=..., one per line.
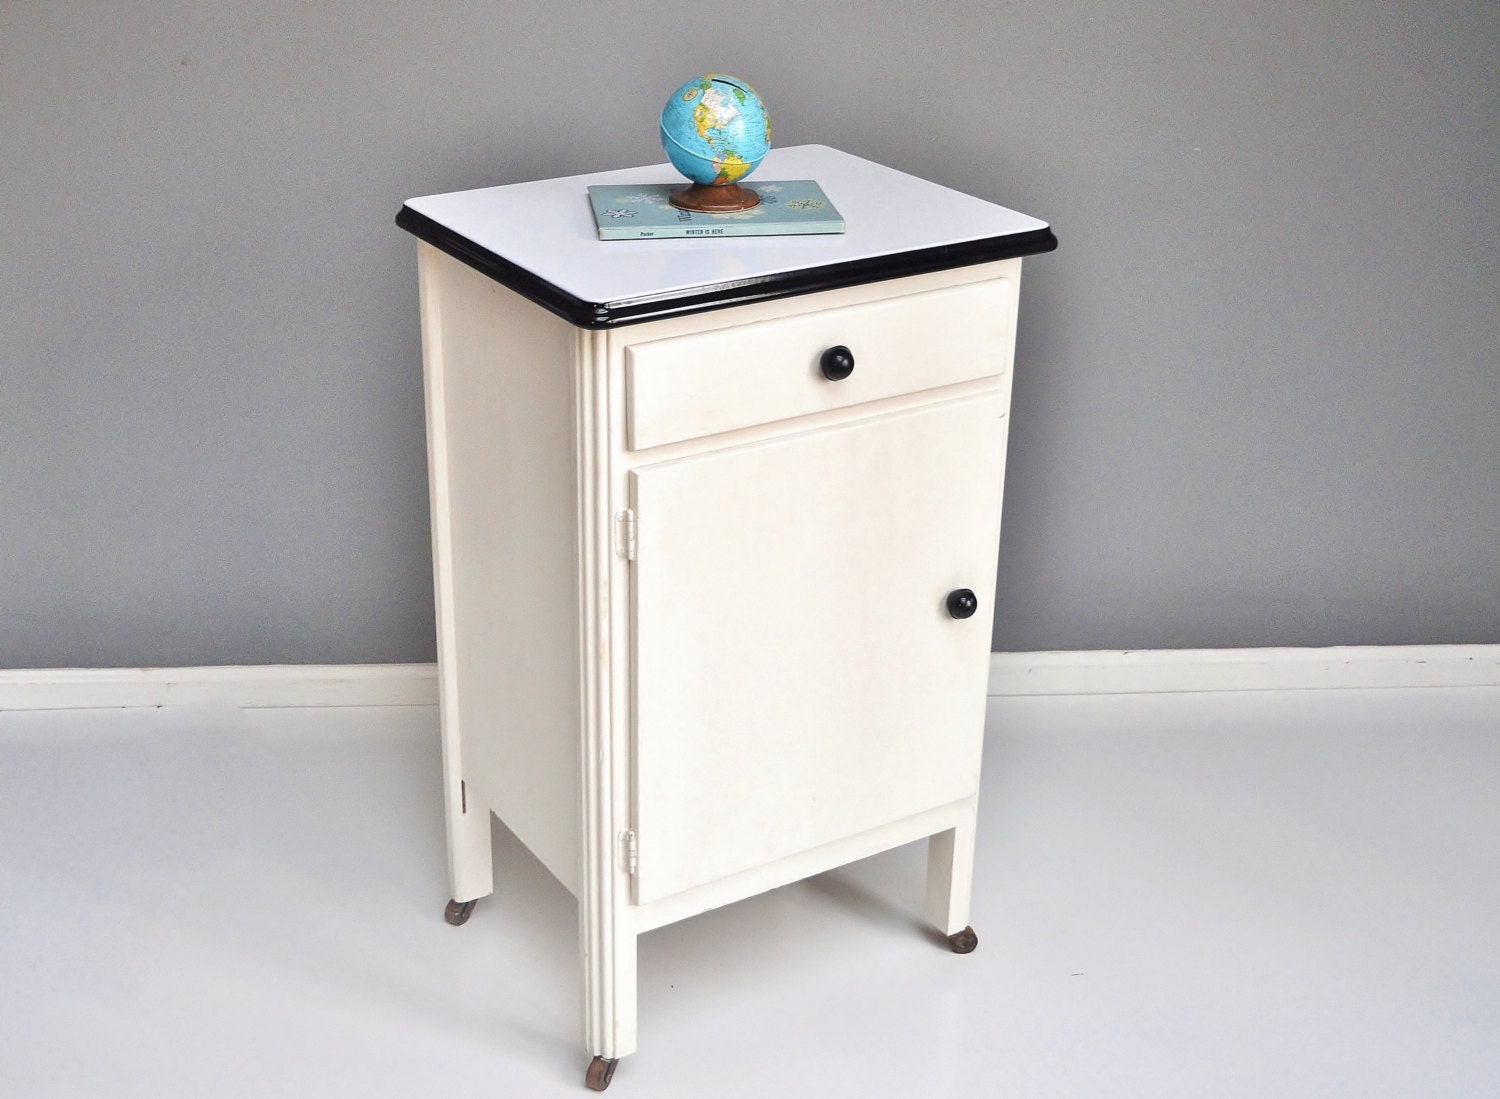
x=787, y=207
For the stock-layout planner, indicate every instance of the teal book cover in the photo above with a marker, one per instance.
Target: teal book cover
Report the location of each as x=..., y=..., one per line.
x=787, y=207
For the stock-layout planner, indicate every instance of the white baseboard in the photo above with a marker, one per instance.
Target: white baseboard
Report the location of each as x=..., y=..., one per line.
x=258, y=687
x=1058, y=673
x=1151, y=671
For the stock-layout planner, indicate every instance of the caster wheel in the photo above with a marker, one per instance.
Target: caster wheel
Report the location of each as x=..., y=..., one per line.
x=601, y=1072
x=963, y=942
x=457, y=912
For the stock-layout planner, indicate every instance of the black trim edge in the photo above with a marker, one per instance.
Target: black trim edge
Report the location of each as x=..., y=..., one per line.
x=809, y=280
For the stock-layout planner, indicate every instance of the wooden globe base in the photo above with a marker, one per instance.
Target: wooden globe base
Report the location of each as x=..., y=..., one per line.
x=714, y=198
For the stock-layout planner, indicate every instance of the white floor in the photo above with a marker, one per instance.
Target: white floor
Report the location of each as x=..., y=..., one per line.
x=1261, y=895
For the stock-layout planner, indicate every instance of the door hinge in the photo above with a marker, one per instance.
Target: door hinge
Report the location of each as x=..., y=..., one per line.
x=632, y=852
x=626, y=521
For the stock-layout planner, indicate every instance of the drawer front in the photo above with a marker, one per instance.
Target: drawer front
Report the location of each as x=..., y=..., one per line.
x=688, y=387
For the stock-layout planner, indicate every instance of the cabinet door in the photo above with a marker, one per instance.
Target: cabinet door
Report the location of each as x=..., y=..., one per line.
x=798, y=678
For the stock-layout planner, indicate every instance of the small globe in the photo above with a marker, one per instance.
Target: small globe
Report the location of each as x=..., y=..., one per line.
x=715, y=130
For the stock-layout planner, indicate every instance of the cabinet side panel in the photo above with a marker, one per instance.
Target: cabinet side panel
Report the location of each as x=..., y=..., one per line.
x=510, y=508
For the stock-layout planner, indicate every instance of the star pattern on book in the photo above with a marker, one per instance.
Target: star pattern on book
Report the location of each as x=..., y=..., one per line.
x=619, y=213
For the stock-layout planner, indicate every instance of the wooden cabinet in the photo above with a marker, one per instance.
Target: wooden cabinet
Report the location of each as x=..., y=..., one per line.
x=714, y=608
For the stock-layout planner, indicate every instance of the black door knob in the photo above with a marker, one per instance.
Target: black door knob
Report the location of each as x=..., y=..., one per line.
x=962, y=603
x=837, y=363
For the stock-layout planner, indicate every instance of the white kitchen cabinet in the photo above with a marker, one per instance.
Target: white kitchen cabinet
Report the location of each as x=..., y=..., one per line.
x=714, y=608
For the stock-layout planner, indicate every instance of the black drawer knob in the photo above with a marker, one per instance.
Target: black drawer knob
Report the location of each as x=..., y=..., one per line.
x=962, y=603
x=837, y=363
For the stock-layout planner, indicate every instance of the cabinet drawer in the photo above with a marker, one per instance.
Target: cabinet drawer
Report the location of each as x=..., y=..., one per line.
x=687, y=387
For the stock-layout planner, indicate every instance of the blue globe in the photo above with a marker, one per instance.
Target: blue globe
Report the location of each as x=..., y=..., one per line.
x=715, y=129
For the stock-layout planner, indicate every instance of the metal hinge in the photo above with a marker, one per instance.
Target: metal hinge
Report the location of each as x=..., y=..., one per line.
x=626, y=521
x=632, y=852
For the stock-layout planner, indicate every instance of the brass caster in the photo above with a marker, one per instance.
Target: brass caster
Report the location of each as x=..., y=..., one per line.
x=457, y=912
x=963, y=942
x=601, y=1072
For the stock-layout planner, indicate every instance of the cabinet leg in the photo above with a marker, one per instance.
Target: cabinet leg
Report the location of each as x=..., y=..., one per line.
x=609, y=994
x=950, y=878
x=471, y=872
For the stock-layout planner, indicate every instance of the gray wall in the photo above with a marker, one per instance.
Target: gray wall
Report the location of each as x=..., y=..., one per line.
x=1255, y=392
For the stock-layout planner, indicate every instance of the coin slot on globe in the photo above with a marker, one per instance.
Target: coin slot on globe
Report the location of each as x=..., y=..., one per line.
x=715, y=130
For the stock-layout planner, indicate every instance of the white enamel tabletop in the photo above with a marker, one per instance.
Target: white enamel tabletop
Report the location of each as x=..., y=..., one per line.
x=547, y=227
